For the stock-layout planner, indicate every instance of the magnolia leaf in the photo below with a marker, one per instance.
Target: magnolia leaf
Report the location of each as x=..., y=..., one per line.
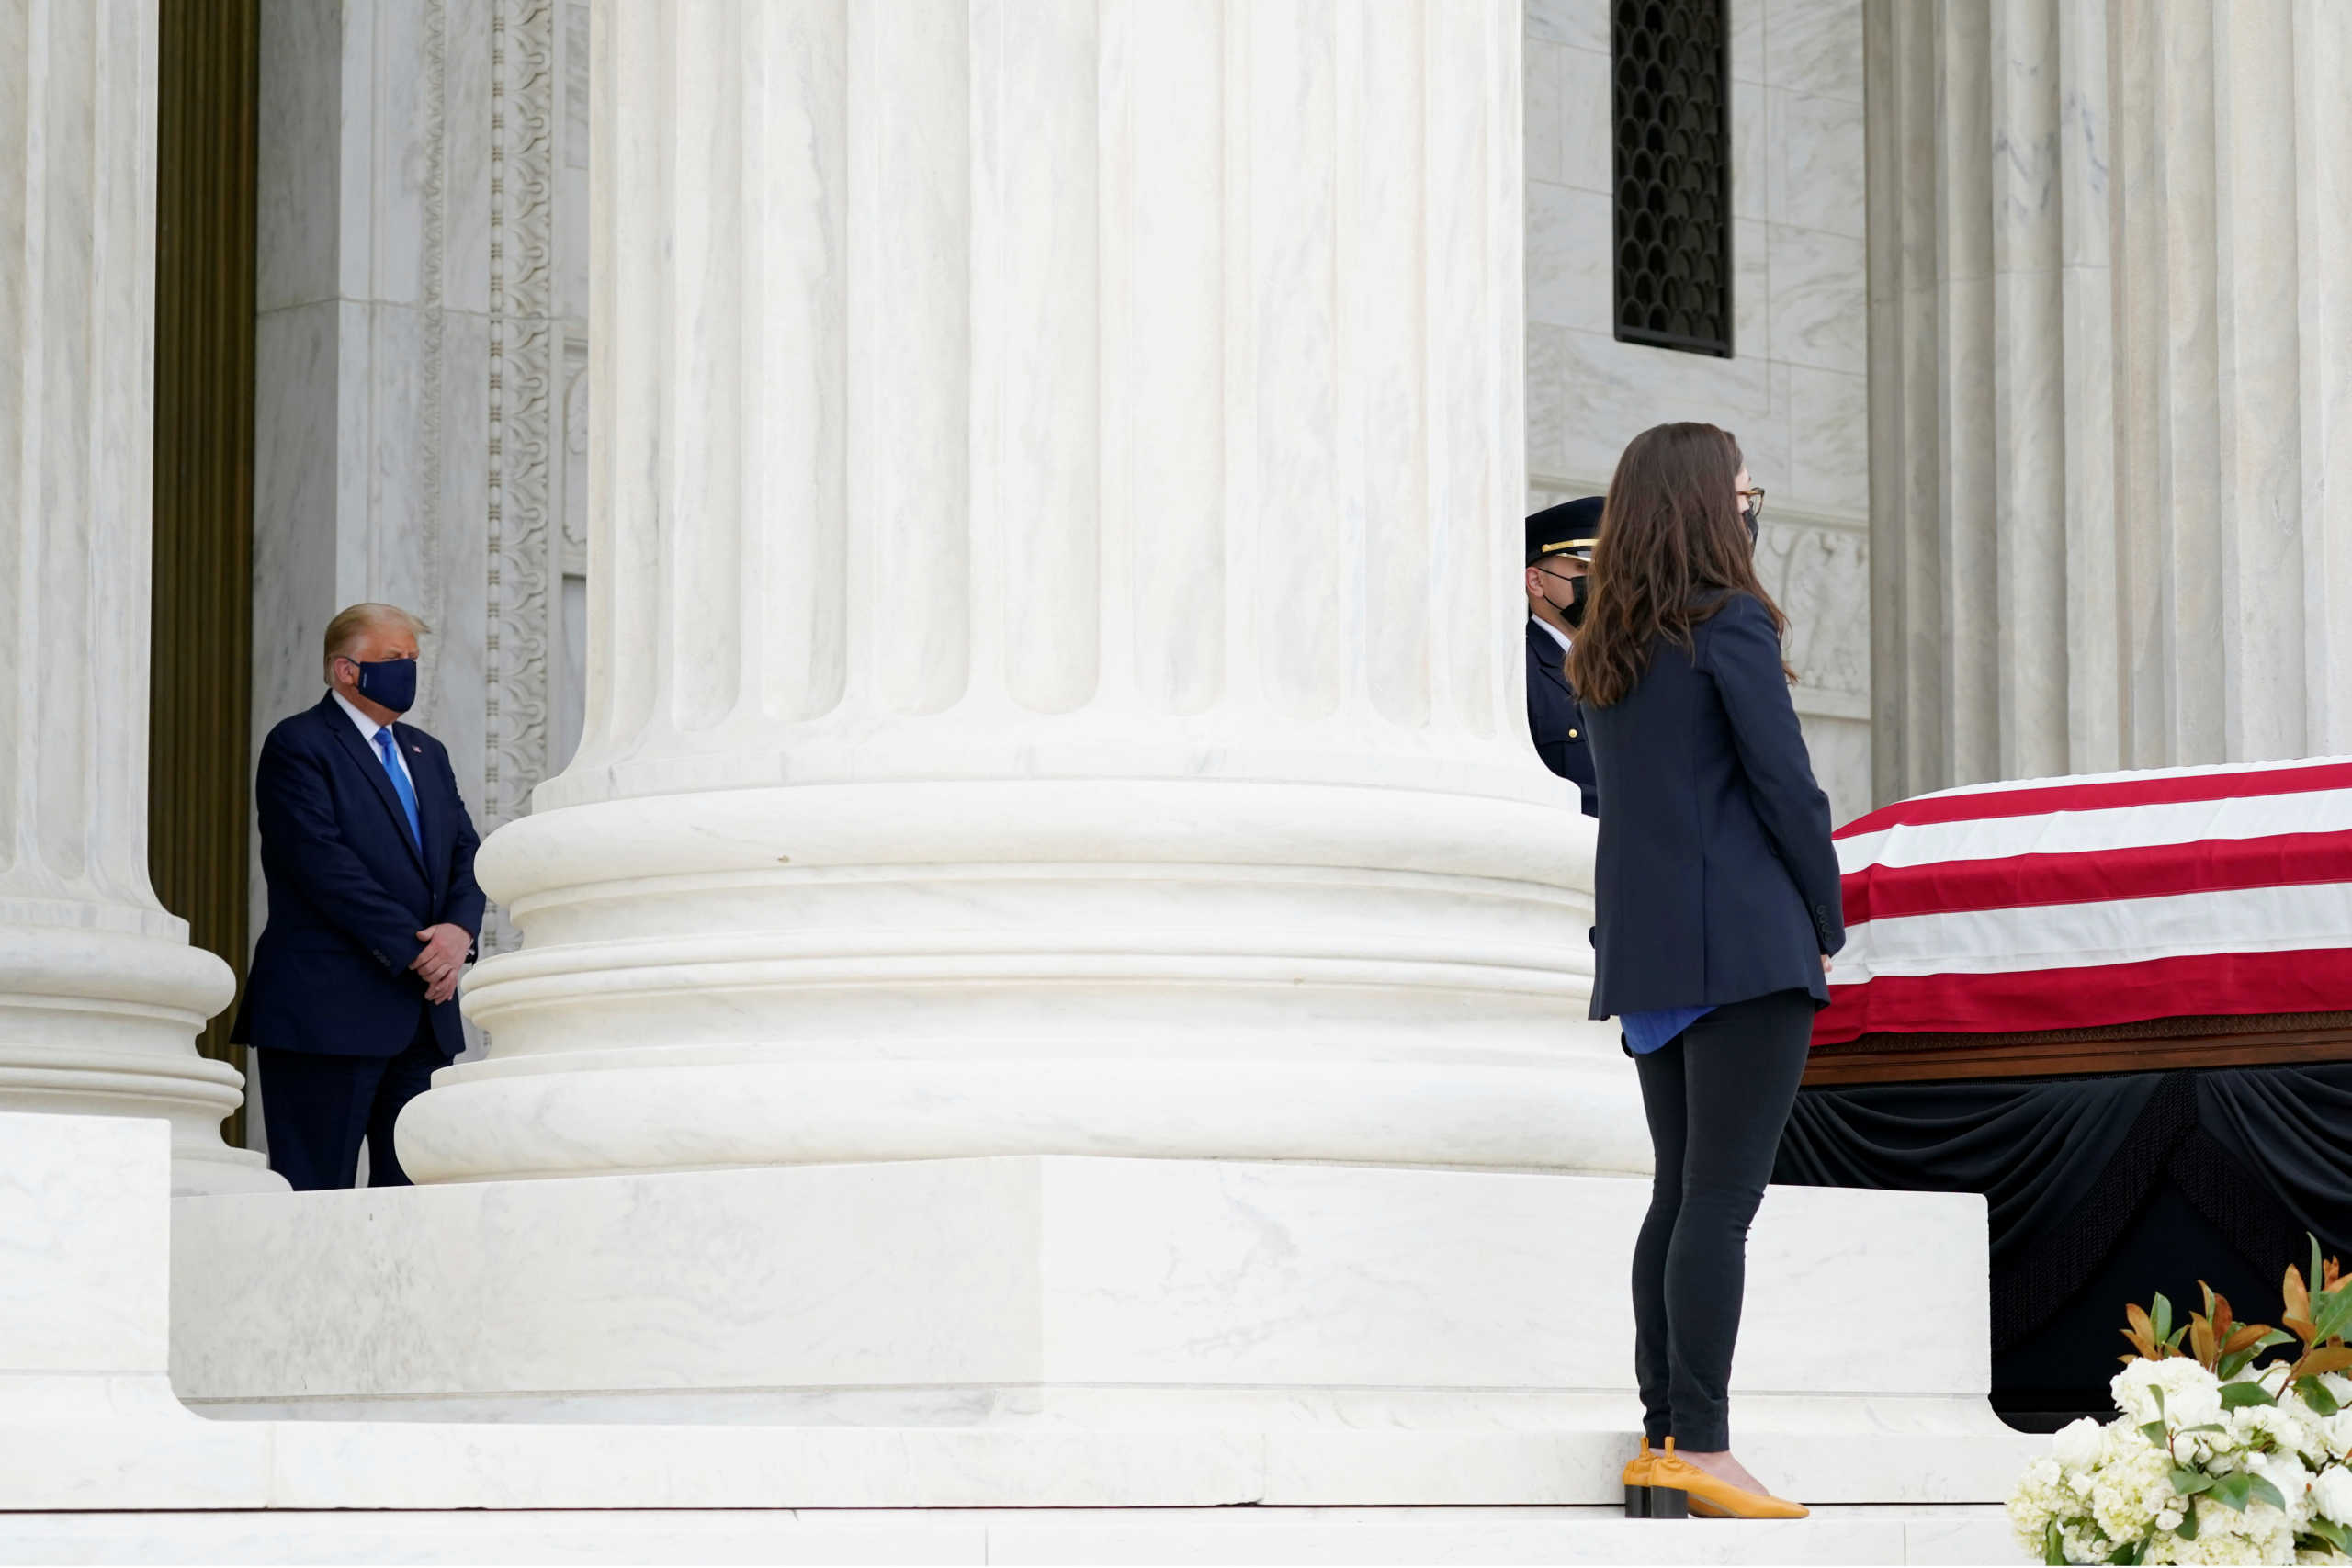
x=2172, y=1343
x=2232, y=1491
x=2187, y=1528
x=2330, y=1319
x=2335, y=1535
x=2153, y=1431
x=2137, y=1316
x=2244, y=1336
x=2334, y=1268
x=2331, y=1358
x=2319, y=1269
x=2238, y=1395
x=2303, y=1325
x=2052, y=1550
x=2315, y=1395
x=2274, y=1337
x=2160, y=1311
x=2200, y=1339
x=2128, y=1553
x=2218, y=1308
x=2299, y=1300
x=2232, y=1365
x=2204, y=1426
x=2188, y=1482
x=2159, y=1394
x=2265, y=1492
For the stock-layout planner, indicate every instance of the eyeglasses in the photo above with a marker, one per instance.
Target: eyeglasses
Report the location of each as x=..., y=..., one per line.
x=1755, y=499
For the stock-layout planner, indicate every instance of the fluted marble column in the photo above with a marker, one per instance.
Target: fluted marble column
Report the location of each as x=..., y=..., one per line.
x=1054, y=650
x=100, y=993
x=2110, y=385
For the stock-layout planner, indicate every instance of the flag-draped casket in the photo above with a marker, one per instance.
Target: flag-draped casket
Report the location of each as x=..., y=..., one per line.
x=2099, y=900
x=2119, y=1007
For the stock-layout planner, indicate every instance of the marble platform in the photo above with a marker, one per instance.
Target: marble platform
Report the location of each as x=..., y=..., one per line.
x=1966, y=1534
x=1042, y=1333
x=1056, y=1332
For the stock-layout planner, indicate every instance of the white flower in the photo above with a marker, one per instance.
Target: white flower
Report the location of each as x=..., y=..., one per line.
x=2130, y=1490
x=2191, y=1395
x=2332, y=1494
x=2079, y=1444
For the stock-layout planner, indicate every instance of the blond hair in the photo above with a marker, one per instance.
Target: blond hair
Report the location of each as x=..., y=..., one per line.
x=348, y=623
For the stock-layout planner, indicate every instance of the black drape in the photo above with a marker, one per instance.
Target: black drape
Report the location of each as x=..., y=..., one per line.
x=2066, y=1165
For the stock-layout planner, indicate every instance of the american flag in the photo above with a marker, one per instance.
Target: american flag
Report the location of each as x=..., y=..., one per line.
x=2107, y=898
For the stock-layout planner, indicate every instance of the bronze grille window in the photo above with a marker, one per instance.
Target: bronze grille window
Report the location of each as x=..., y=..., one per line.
x=1670, y=103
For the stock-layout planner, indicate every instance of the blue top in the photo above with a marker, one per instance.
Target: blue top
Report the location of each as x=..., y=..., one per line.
x=1648, y=1031
x=1714, y=879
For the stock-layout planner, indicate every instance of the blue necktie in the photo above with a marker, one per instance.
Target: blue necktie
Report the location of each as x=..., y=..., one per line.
x=401, y=786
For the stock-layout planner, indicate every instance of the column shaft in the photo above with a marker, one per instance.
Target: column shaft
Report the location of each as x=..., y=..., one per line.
x=1055, y=664
x=2124, y=486
x=100, y=995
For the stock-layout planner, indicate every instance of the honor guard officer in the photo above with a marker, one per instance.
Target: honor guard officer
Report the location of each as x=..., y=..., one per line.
x=1559, y=548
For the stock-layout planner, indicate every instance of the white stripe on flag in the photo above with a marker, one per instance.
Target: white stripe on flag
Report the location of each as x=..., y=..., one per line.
x=2120, y=930
x=2116, y=827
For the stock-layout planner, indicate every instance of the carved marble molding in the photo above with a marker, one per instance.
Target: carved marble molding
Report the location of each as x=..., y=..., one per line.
x=523, y=445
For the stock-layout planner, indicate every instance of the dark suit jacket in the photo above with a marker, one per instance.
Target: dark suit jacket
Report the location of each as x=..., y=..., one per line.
x=1553, y=717
x=349, y=890
x=1715, y=880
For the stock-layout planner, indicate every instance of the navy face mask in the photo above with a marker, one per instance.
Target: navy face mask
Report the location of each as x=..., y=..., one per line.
x=389, y=682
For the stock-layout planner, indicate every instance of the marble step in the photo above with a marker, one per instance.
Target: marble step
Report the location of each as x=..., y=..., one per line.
x=1944, y=1534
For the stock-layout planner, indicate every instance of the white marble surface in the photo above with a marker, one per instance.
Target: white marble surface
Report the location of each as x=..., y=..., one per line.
x=1799, y=283
x=85, y=1245
x=1367, y=1335
x=1277, y=1535
x=100, y=993
x=2108, y=354
x=1136, y=799
x=88, y=1417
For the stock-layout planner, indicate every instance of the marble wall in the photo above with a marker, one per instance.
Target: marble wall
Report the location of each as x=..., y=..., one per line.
x=422, y=343
x=1793, y=389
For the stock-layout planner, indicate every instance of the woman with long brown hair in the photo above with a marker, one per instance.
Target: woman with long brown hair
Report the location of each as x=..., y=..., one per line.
x=1716, y=901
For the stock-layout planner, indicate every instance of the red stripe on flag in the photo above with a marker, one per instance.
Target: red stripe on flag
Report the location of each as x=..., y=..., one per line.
x=2144, y=871
x=2106, y=796
x=2313, y=980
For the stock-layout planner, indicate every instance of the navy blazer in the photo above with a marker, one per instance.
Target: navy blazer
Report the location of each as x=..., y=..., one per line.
x=349, y=890
x=1554, y=720
x=1715, y=881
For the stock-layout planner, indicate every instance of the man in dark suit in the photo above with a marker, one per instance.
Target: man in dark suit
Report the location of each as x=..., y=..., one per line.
x=373, y=910
x=1559, y=547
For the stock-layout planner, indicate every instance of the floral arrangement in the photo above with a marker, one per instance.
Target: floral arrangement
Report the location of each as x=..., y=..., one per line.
x=2218, y=1456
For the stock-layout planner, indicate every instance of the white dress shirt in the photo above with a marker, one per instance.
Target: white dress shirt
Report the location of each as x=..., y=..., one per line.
x=1557, y=635
x=368, y=727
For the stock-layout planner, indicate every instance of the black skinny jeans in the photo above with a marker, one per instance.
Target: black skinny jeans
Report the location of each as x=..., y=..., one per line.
x=1716, y=1096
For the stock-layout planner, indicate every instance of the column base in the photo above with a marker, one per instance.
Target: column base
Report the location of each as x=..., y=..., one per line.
x=102, y=1023
x=1177, y=969
x=1052, y=1331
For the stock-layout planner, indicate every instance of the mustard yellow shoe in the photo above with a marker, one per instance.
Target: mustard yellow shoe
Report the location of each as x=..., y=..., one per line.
x=1643, y=1499
x=1710, y=1496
